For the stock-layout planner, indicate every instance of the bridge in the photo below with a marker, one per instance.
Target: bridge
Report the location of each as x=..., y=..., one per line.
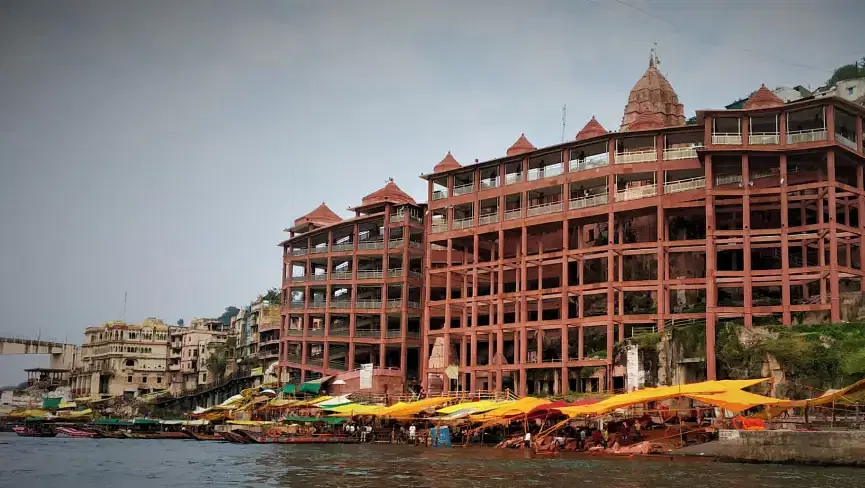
x=62, y=355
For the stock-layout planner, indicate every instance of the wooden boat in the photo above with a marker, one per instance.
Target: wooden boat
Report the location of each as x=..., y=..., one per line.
x=235, y=438
x=28, y=432
x=206, y=437
x=263, y=438
x=158, y=435
x=72, y=432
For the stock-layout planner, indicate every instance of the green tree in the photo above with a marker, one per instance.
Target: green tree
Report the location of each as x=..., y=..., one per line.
x=230, y=312
x=217, y=362
x=180, y=322
x=847, y=72
x=273, y=295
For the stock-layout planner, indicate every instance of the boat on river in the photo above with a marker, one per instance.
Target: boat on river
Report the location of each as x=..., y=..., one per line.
x=206, y=437
x=235, y=438
x=35, y=427
x=73, y=432
x=267, y=438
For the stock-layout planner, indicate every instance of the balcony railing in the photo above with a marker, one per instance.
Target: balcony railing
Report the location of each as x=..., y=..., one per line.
x=367, y=333
x=340, y=303
x=315, y=361
x=488, y=219
x=636, y=193
x=439, y=194
x=340, y=332
x=589, y=162
x=315, y=332
x=293, y=358
x=589, y=201
x=340, y=275
x=643, y=156
x=298, y=278
x=727, y=180
x=846, y=141
x=677, y=186
x=294, y=332
x=810, y=135
x=415, y=218
x=488, y=183
x=730, y=138
x=319, y=277
x=763, y=173
x=298, y=252
x=394, y=303
x=318, y=250
x=546, y=172
x=371, y=244
x=397, y=217
x=764, y=138
x=367, y=274
x=463, y=223
x=368, y=303
x=395, y=243
x=337, y=364
x=413, y=304
x=317, y=304
x=394, y=273
x=439, y=227
x=464, y=189
x=415, y=274
x=296, y=304
x=514, y=214
x=512, y=178
x=543, y=209
x=415, y=244
x=676, y=153
x=346, y=246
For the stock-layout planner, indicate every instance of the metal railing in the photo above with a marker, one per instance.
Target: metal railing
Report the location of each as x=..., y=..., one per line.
x=294, y=332
x=366, y=274
x=368, y=303
x=727, y=179
x=730, y=138
x=764, y=138
x=318, y=250
x=589, y=162
x=488, y=219
x=347, y=246
x=766, y=173
x=371, y=244
x=677, y=186
x=464, y=223
x=397, y=217
x=315, y=332
x=415, y=218
x=463, y=189
x=439, y=194
x=337, y=364
x=636, y=193
x=415, y=244
x=294, y=358
x=415, y=274
x=413, y=304
x=315, y=361
x=515, y=214
x=340, y=303
x=394, y=243
x=810, y=135
x=340, y=275
x=677, y=153
x=546, y=172
x=512, y=178
x=367, y=333
x=589, y=201
x=317, y=304
x=319, y=277
x=296, y=304
x=644, y=156
x=298, y=252
x=298, y=278
x=394, y=303
x=394, y=273
x=340, y=332
x=487, y=183
x=439, y=227
x=543, y=209
x=846, y=141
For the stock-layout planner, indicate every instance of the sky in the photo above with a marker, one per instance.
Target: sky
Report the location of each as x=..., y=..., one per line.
x=159, y=148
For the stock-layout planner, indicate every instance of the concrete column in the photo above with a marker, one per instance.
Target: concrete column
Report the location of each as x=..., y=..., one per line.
x=746, y=232
x=711, y=285
x=834, y=282
x=786, y=317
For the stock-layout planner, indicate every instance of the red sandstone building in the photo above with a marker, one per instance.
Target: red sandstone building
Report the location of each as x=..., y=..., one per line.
x=352, y=293
x=539, y=262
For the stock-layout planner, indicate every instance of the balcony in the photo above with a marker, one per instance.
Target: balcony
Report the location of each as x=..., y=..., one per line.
x=368, y=303
x=367, y=333
x=543, y=209
x=296, y=304
x=678, y=153
x=488, y=219
x=464, y=189
x=394, y=273
x=341, y=275
x=629, y=157
x=415, y=274
x=293, y=358
x=369, y=274
x=394, y=303
x=339, y=332
x=319, y=277
x=315, y=361
x=415, y=244
x=298, y=252
x=337, y=364
x=721, y=180
x=546, y=172
x=318, y=250
x=488, y=183
x=340, y=303
x=591, y=162
x=415, y=218
x=811, y=135
x=589, y=201
x=395, y=243
x=397, y=217
x=844, y=141
x=371, y=244
x=757, y=138
x=317, y=304
x=346, y=246
x=298, y=278
x=439, y=227
x=315, y=332
x=636, y=193
x=463, y=223
x=439, y=195
x=515, y=214
x=727, y=139
x=677, y=186
x=413, y=304
x=513, y=178
x=294, y=332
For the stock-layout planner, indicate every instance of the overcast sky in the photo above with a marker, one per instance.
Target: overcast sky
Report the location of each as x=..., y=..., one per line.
x=159, y=148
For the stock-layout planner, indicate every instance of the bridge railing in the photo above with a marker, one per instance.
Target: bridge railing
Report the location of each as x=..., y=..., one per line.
x=35, y=342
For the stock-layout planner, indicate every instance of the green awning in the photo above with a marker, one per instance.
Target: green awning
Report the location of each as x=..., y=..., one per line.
x=289, y=389
x=327, y=420
x=145, y=421
x=105, y=422
x=51, y=402
x=310, y=387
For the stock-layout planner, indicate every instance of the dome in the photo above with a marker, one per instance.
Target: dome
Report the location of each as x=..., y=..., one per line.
x=521, y=146
x=763, y=98
x=592, y=129
x=322, y=215
x=653, y=95
x=388, y=193
x=447, y=164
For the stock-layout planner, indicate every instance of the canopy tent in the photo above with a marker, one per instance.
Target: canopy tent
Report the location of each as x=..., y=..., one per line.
x=327, y=420
x=353, y=409
x=477, y=406
x=312, y=402
x=737, y=400
x=518, y=407
x=659, y=393
x=335, y=401
x=51, y=402
x=412, y=408
x=837, y=396
x=289, y=389
x=314, y=386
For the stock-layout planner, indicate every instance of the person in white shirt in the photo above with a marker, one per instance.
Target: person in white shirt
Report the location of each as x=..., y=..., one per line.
x=411, y=433
x=527, y=440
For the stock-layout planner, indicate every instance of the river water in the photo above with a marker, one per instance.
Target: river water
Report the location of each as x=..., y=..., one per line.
x=132, y=463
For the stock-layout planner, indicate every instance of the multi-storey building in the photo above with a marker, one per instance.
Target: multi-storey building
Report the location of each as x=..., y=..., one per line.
x=268, y=319
x=352, y=292
x=123, y=359
x=538, y=262
x=197, y=343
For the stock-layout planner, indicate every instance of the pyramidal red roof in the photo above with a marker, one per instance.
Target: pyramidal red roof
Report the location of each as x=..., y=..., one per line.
x=322, y=215
x=648, y=120
x=653, y=94
x=763, y=98
x=592, y=129
x=446, y=164
x=521, y=146
x=388, y=193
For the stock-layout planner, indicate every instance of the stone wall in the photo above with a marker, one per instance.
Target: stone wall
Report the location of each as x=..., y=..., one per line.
x=786, y=446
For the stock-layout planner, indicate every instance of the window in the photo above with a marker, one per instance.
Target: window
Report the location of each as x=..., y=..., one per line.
x=204, y=377
x=159, y=379
x=129, y=379
x=144, y=379
x=850, y=90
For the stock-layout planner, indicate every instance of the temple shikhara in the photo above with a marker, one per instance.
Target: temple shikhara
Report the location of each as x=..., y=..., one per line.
x=527, y=272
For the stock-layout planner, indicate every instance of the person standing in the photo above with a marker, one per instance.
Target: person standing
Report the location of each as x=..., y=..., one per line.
x=527, y=439
x=412, y=430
